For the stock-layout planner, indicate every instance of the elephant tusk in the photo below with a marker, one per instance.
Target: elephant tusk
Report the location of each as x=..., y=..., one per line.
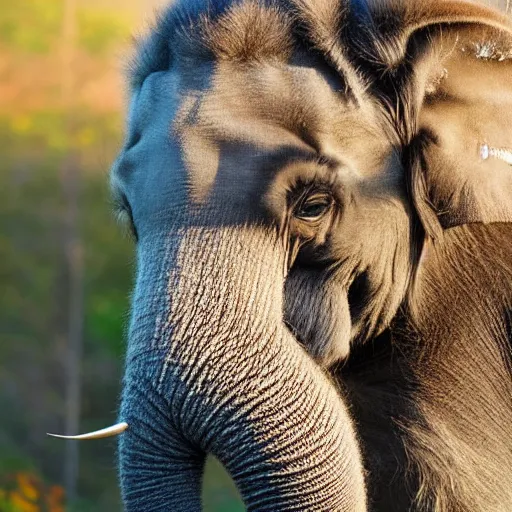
x=99, y=434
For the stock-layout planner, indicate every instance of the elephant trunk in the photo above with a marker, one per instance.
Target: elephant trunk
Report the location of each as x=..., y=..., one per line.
x=211, y=368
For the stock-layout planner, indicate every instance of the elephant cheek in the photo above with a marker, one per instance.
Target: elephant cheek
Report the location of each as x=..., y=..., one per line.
x=318, y=313
x=336, y=326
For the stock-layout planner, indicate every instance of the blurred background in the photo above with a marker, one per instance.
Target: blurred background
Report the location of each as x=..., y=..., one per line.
x=65, y=267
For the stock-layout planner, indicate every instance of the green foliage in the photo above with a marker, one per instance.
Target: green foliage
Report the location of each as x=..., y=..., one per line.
x=31, y=26
x=99, y=32
x=219, y=491
x=31, y=319
x=49, y=131
x=109, y=266
x=35, y=27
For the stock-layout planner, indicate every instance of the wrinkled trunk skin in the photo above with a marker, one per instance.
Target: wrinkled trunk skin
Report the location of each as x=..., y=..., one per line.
x=211, y=368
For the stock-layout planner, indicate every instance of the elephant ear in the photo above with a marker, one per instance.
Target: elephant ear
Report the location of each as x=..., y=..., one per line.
x=460, y=112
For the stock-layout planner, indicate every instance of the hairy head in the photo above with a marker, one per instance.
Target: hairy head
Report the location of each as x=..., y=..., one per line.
x=351, y=136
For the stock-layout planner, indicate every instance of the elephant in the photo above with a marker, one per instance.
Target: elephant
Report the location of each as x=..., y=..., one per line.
x=320, y=192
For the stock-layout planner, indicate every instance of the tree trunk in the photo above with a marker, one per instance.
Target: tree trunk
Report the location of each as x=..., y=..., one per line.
x=72, y=254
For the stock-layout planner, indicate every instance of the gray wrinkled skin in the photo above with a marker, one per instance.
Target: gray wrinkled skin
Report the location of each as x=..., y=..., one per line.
x=305, y=179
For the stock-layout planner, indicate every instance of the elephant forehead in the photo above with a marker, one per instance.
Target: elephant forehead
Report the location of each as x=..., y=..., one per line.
x=248, y=112
x=243, y=103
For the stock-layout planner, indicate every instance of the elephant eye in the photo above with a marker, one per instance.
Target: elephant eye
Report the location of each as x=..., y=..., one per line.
x=313, y=207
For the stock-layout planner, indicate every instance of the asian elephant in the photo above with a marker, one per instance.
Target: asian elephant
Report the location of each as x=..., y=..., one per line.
x=321, y=196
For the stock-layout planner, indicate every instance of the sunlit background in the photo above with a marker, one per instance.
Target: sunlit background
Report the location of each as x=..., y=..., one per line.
x=65, y=266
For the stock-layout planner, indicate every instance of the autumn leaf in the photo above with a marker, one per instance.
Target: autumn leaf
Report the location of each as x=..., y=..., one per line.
x=27, y=486
x=20, y=504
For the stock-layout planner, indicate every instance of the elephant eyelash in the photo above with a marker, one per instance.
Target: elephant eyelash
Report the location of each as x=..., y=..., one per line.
x=303, y=189
x=123, y=214
x=120, y=207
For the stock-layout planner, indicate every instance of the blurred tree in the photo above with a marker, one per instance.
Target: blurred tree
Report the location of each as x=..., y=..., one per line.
x=73, y=258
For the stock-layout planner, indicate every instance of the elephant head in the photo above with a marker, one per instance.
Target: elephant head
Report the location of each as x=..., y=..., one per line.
x=286, y=166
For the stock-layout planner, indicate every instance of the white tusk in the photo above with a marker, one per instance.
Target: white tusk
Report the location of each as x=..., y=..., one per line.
x=99, y=434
